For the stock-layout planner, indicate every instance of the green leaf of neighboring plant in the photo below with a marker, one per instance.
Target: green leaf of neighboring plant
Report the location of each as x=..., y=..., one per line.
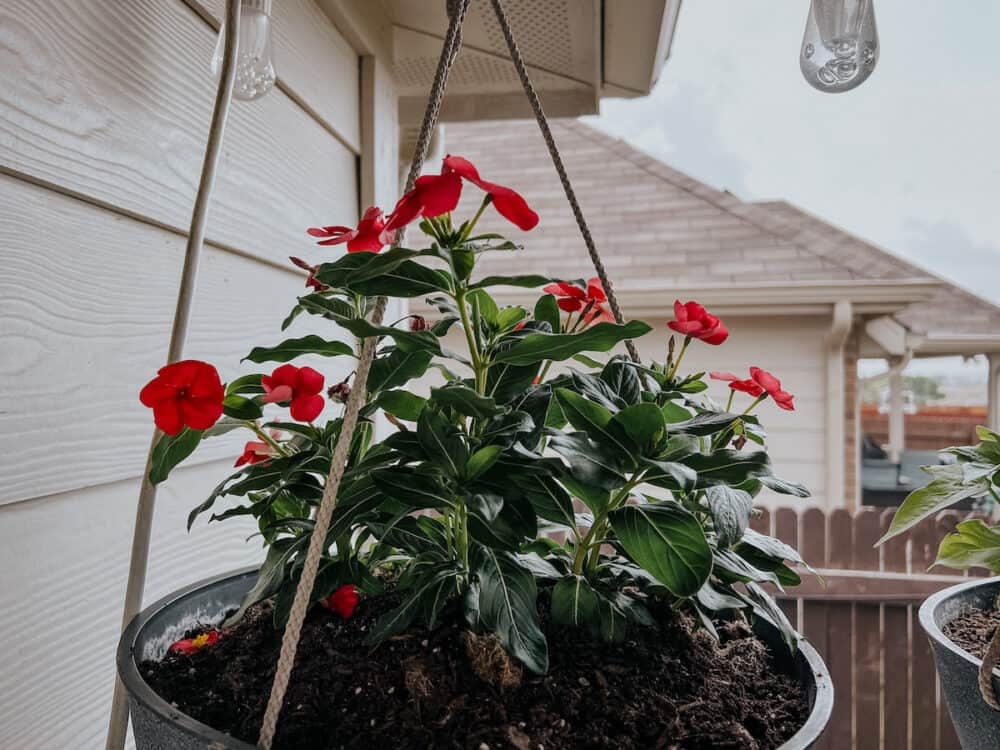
x=270, y=576
x=592, y=418
x=246, y=385
x=946, y=489
x=669, y=474
x=465, y=401
x=783, y=486
x=536, y=347
x=764, y=606
x=731, y=509
x=527, y=282
x=170, y=450
x=973, y=544
x=397, y=369
x=727, y=466
x=668, y=541
x=507, y=606
x=622, y=377
x=289, y=349
x=399, y=619
x=409, y=280
x=574, y=602
x=548, y=498
x=590, y=464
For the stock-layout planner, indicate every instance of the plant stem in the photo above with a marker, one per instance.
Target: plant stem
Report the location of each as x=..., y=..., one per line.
x=474, y=355
x=271, y=443
x=680, y=356
x=729, y=403
x=584, y=561
x=475, y=219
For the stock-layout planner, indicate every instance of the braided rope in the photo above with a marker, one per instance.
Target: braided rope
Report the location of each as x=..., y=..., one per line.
x=303, y=593
x=550, y=142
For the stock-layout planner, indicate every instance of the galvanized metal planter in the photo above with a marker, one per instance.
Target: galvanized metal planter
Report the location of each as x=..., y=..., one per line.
x=976, y=723
x=158, y=725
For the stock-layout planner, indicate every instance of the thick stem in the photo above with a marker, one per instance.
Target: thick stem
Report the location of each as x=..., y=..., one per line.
x=474, y=355
x=680, y=356
x=271, y=442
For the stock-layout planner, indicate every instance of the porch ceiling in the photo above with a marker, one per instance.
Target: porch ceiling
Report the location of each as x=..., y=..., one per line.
x=577, y=51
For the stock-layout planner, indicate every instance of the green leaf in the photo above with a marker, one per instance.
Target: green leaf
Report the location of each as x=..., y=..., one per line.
x=170, y=450
x=592, y=418
x=623, y=379
x=641, y=424
x=289, y=349
x=547, y=310
x=408, y=280
x=407, y=341
x=667, y=541
x=331, y=308
x=412, y=490
x=352, y=268
x=764, y=606
x=481, y=461
x=428, y=584
x=589, y=464
x=973, y=544
x=669, y=474
x=508, y=317
x=537, y=347
x=506, y=605
x=574, y=602
x=527, y=282
x=442, y=442
x=731, y=509
x=240, y=408
x=946, y=489
x=270, y=576
x=396, y=369
x=727, y=466
x=783, y=486
x=401, y=404
x=549, y=500
x=770, y=546
x=706, y=423
x=465, y=401
x=246, y=385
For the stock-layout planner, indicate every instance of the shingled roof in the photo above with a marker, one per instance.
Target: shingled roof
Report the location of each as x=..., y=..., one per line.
x=659, y=229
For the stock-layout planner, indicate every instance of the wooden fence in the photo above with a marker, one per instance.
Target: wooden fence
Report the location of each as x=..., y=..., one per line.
x=862, y=618
x=930, y=429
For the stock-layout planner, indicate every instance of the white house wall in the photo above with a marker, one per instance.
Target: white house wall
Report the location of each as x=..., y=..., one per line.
x=104, y=111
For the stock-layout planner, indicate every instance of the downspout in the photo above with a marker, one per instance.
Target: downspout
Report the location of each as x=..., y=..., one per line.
x=836, y=338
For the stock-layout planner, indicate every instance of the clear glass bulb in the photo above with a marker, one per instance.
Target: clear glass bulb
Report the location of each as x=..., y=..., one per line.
x=840, y=46
x=254, y=62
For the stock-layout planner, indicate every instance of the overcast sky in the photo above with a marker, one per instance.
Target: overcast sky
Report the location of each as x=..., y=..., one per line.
x=910, y=160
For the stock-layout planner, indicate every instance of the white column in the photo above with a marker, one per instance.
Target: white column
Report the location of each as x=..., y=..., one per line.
x=993, y=392
x=897, y=429
x=840, y=328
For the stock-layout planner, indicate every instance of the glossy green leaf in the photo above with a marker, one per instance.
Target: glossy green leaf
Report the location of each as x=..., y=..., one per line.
x=465, y=401
x=946, y=489
x=401, y=404
x=973, y=544
x=731, y=509
x=170, y=450
x=668, y=541
x=592, y=418
x=397, y=369
x=428, y=584
x=706, y=423
x=505, y=605
x=442, y=442
x=548, y=498
x=640, y=424
x=527, y=282
x=602, y=337
x=289, y=349
x=482, y=461
x=727, y=466
x=240, y=408
x=547, y=310
x=574, y=602
x=411, y=489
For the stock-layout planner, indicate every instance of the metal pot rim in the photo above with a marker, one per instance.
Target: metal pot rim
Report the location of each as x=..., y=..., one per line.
x=928, y=621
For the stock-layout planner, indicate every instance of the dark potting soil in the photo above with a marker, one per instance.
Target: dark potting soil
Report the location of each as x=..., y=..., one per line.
x=973, y=630
x=670, y=688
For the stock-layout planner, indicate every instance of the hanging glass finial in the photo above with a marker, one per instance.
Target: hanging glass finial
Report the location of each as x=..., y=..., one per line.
x=840, y=46
x=254, y=63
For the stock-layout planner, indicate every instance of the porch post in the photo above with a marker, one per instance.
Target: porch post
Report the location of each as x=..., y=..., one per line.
x=993, y=392
x=897, y=429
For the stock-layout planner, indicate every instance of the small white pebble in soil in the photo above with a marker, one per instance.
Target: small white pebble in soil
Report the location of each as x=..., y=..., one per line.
x=391, y=690
x=521, y=725
x=372, y=723
x=584, y=682
x=483, y=746
x=357, y=691
x=425, y=643
x=435, y=649
x=562, y=723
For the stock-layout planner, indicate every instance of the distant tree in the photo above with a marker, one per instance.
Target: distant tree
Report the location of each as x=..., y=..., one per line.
x=923, y=388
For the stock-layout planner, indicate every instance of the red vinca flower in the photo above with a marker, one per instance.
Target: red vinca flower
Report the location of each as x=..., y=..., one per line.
x=434, y=195
x=691, y=319
x=737, y=384
x=311, y=281
x=188, y=646
x=342, y=601
x=370, y=235
x=772, y=385
x=574, y=297
x=509, y=204
x=254, y=452
x=300, y=386
x=186, y=393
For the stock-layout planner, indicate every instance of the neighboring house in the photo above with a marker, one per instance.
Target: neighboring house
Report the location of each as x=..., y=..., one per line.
x=104, y=111
x=802, y=298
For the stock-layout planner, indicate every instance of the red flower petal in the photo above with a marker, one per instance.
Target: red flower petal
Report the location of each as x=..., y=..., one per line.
x=715, y=375
x=306, y=408
x=509, y=203
x=309, y=381
x=167, y=416
x=278, y=395
x=342, y=601
x=720, y=335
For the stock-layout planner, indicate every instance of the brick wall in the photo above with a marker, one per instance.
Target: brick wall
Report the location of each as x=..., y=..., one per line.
x=931, y=428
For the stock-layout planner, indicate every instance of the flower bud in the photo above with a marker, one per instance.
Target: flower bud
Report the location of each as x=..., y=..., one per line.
x=339, y=392
x=418, y=323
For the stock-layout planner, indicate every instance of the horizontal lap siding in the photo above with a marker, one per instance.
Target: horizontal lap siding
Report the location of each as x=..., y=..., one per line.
x=104, y=113
x=86, y=307
x=112, y=101
x=63, y=561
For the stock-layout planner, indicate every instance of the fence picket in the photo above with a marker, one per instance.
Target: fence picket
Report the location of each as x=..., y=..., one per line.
x=923, y=699
x=786, y=528
x=895, y=711
x=867, y=638
x=840, y=620
x=814, y=613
